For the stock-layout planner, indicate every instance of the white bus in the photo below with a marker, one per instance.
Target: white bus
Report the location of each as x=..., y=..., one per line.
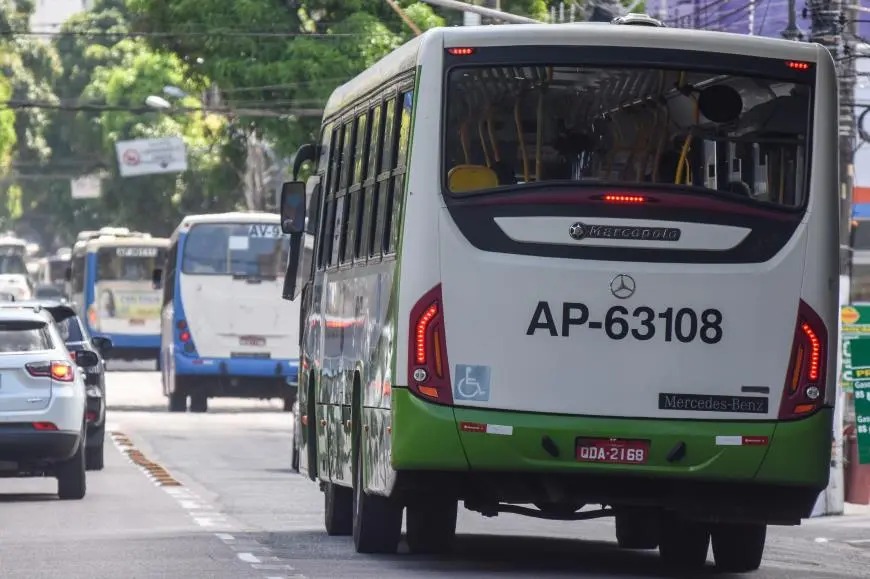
x=568, y=265
x=225, y=331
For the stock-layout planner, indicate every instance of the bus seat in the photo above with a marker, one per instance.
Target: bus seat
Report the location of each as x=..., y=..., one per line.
x=463, y=178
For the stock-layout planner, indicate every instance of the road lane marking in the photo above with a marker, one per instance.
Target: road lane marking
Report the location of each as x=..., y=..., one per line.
x=199, y=510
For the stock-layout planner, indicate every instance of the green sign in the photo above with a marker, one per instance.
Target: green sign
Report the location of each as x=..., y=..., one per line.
x=855, y=320
x=862, y=419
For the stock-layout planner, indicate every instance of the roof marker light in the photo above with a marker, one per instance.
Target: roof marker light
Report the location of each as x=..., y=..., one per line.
x=797, y=65
x=625, y=199
x=460, y=51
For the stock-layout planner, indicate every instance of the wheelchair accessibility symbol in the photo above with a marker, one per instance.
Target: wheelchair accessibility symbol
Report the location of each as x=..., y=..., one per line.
x=471, y=383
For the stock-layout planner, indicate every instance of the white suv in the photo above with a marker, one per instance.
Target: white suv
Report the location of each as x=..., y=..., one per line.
x=42, y=402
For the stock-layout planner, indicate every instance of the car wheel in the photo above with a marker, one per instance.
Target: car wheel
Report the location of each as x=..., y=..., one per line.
x=738, y=548
x=71, y=477
x=94, y=457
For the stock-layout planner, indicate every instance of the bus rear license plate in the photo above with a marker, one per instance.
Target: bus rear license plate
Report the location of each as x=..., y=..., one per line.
x=137, y=322
x=252, y=341
x=612, y=450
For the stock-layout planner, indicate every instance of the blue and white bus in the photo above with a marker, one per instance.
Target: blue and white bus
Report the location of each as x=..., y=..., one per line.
x=225, y=331
x=110, y=286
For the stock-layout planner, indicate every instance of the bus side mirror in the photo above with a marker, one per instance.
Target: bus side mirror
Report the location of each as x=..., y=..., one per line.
x=293, y=207
x=157, y=278
x=67, y=273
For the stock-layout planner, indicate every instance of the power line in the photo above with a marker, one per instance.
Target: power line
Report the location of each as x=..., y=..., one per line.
x=210, y=33
x=101, y=108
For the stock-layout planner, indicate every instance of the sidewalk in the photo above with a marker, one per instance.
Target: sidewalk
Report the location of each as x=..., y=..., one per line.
x=853, y=510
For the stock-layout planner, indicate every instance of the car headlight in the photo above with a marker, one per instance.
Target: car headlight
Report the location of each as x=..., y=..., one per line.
x=93, y=392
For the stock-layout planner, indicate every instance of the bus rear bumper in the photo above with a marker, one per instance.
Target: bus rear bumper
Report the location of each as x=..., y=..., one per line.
x=132, y=347
x=438, y=447
x=239, y=377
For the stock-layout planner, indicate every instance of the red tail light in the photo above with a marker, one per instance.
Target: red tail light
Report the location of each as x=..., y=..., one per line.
x=60, y=371
x=461, y=51
x=804, y=391
x=428, y=370
x=184, y=336
x=44, y=426
x=624, y=199
x=91, y=416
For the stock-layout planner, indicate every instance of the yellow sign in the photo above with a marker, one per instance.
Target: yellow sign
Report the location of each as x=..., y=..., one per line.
x=849, y=315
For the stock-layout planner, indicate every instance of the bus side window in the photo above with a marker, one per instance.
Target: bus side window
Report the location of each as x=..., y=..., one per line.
x=169, y=266
x=385, y=179
x=78, y=273
x=370, y=194
x=330, y=185
x=397, y=191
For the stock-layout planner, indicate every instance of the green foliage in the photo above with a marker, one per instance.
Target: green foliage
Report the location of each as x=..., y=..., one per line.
x=319, y=44
x=77, y=75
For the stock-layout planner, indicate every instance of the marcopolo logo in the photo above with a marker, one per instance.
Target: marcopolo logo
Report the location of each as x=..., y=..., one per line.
x=580, y=231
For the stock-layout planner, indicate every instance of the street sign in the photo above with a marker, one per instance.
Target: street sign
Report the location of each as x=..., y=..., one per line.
x=862, y=419
x=86, y=187
x=154, y=157
x=856, y=320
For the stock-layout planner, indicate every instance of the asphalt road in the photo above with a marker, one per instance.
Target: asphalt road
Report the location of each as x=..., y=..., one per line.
x=239, y=512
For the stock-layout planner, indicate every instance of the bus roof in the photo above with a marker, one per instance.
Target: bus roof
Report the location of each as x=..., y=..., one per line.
x=231, y=217
x=404, y=58
x=113, y=241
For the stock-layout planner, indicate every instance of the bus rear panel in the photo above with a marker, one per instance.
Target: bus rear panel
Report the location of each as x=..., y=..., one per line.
x=122, y=304
x=227, y=334
x=628, y=295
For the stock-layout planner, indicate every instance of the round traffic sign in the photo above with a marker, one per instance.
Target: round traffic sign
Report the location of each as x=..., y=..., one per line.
x=849, y=315
x=131, y=157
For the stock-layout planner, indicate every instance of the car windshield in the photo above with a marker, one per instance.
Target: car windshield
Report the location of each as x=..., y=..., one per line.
x=70, y=330
x=23, y=336
x=248, y=249
x=48, y=292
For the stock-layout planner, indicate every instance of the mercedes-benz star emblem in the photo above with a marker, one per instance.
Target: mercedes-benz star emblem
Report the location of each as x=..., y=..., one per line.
x=622, y=286
x=577, y=231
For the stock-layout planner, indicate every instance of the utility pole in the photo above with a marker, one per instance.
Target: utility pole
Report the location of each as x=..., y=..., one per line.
x=825, y=21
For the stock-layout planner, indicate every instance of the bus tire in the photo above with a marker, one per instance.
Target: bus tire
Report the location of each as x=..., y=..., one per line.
x=431, y=525
x=738, y=548
x=338, y=510
x=377, y=521
x=178, y=402
x=198, y=403
x=637, y=529
x=684, y=544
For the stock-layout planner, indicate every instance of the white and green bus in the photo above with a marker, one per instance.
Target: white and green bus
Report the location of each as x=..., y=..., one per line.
x=572, y=271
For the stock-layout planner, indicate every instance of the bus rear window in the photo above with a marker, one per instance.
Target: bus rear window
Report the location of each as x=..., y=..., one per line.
x=730, y=134
x=128, y=263
x=244, y=249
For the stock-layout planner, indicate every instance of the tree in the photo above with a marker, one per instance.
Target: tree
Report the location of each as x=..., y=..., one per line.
x=287, y=56
x=102, y=76
x=7, y=116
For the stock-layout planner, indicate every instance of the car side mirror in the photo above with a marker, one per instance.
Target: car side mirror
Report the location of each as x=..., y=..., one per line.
x=293, y=207
x=87, y=359
x=102, y=344
x=157, y=278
